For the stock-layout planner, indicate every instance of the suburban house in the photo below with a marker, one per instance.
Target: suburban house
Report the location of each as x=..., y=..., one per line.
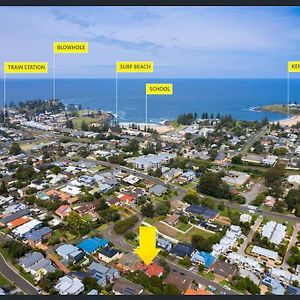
x=36, y=264
x=41, y=268
x=18, y=222
x=127, y=199
x=158, y=190
x=224, y=269
x=152, y=161
x=108, y=254
x=30, y=259
x=128, y=262
x=197, y=292
x=164, y=244
x=37, y=236
x=69, y=286
x=205, y=212
x=7, y=219
x=182, y=250
x=91, y=245
x=152, y=270
x=187, y=177
x=275, y=286
x=236, y=178
x=28, y=227
x=126, y=287
x=172, y=219
x=180, y=281
x=63, y=211
x=103, y=274
x=70, y=253
x=54, y=194
x=204, y=258
x=246, y=262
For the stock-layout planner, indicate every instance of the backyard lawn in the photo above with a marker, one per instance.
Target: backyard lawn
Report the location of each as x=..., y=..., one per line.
x=4, y=282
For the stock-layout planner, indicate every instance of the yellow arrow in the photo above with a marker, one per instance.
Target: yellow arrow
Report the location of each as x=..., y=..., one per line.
x=147, y=250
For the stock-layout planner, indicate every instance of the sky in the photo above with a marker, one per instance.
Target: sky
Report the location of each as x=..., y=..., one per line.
x=183, y=42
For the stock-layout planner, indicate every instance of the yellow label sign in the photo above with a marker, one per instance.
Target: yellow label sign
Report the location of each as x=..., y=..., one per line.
x=134, y=67
x=159, y=88
x=71, y=47
x=26, y=67
x=294, y=66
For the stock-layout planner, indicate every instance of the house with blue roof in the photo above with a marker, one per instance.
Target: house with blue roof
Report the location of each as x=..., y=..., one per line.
x=37, y=236
x=205, y=258
x=275, y=286
x=91, y=245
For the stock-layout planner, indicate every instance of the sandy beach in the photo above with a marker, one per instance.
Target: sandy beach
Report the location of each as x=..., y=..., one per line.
x=289, y=122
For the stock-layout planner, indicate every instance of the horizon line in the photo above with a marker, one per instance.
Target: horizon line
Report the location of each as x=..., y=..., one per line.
x=146, y=78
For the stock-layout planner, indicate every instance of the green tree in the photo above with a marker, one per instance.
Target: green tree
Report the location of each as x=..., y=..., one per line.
x=258, y=147
x=3, y=189
x=237, y=160
x=293, y=199
x=211, y=184
x=163, y=208
x=191, y=197
x=129, y=235
x=208, y=202
x=77, y=224
x=147, y=210
x=25, y=172
x=281, y=151
x=69, y=124
x=123, y=225
x=84, y=126
x=15, y=149
x=274, y=179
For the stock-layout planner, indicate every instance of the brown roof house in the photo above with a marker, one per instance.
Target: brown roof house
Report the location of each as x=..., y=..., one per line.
x=180, y=281
x=172, y=219
x=224, y=269
x=125, y=287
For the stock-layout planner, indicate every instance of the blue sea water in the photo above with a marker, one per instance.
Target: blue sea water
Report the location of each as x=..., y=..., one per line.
x=224, y=96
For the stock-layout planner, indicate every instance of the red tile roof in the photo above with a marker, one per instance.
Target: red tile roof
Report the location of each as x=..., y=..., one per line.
x=152, y=269
x=63, y=210
x=192, y=292
x=127, y=198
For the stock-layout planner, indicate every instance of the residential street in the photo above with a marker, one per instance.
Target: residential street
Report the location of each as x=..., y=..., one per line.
x=12, y=275
x=118, y=240
x=250, y=235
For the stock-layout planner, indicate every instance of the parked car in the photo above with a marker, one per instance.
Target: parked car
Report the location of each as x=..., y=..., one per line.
x=212, y=288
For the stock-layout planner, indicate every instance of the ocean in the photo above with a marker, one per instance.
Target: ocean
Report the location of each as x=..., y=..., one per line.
x=224, y=96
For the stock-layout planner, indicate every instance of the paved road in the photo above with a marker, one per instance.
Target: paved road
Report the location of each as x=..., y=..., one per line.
x=250, y=236
x=118, y=241
x=181, y=192
x=253, y=139
x=19, y=281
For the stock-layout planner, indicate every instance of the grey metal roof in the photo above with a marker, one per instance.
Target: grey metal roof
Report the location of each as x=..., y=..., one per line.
x=19, y=214
x=30, y=259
